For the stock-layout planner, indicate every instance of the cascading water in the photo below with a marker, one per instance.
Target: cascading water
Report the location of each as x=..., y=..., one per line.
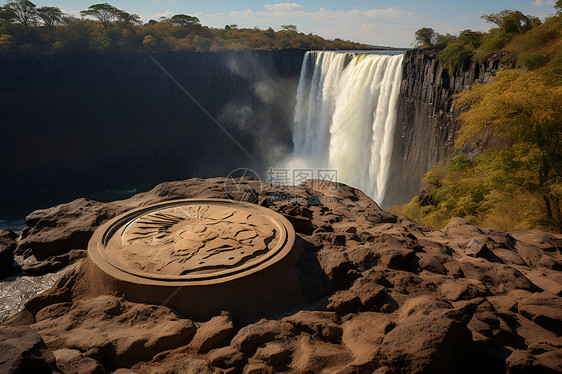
x=345, y=116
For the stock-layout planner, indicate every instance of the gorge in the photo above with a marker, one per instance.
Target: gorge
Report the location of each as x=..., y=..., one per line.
x=193, y=276
x=137, y=128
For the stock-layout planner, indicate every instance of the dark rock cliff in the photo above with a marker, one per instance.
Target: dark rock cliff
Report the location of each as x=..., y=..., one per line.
x=427, y=121
x=74, y=125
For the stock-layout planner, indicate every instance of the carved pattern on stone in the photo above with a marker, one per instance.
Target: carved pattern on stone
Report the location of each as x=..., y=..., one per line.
x=200, y=238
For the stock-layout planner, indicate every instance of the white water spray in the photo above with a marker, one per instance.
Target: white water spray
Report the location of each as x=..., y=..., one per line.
x=346, y=115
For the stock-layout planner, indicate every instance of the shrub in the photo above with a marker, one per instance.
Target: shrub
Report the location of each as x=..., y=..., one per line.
x=455, y=54
x=532, y=60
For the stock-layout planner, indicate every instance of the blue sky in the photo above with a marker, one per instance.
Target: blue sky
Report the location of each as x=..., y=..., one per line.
x=377, y=22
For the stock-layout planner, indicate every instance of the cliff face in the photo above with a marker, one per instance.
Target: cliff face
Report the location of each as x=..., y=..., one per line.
x=427, y=121
x=97, y=123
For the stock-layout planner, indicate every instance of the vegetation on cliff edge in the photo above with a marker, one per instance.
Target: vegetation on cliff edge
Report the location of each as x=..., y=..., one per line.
x=530, y=42
x=516, y=183
x=25, y=28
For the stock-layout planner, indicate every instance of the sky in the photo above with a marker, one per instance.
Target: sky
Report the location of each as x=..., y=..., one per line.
x=374, y=22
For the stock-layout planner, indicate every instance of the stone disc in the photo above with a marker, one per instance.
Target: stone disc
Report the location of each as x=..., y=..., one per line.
x=186, y=241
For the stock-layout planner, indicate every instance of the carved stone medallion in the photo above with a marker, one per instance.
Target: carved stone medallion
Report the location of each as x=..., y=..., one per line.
x=193, y=240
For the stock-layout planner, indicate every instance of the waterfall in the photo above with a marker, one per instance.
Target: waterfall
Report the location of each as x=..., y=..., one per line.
x=345, y=116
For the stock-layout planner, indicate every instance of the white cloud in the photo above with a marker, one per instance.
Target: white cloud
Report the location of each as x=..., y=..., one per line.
x=280, y=7
x=73, y=12
x=543, y=2
x=162, y=14
x=323, y=13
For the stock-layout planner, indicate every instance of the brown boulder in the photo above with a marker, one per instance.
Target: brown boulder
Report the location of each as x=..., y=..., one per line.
x=313, y=356
x=59, y=229
x=363, y=335
x=227, y=357
x=7, y=247
x=323, y=325
x=520, y=362
x=274, y=354
x=545, y=309
x=23, y=351
x=429, y=342
x=250, y=337
x=495, y=276
x=71, y=361
x=212, y=333
x=462, y=289
x=114, y=331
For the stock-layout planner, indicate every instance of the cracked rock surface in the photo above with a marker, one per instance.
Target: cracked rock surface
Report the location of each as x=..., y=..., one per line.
x=381, y=294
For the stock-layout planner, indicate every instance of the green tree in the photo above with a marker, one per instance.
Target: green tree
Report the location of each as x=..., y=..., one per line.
x=5, y=16
x=473, y=38
x=558, y=7
x=51, y=16
x=289, y=28
x=77, y=34
x=522, y=110
x=125, y=19
x=441, y=41
x=513, y=22
x=104, y=13
x=23, y=11
x=425, y=37
x=183, y=20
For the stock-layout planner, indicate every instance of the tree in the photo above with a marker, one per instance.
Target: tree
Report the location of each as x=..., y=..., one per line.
x=425, y=37
x=150, y=42
x=183, y=20
x=5, y=16
x=455, y=54
x=474, y=38
x=23, y=11
x=125, y=19
x=104, y=13
x=441, y=41
x=513, y=22
x=50, y=16
x=558, y=7
x=522, y=110
x=289, y=28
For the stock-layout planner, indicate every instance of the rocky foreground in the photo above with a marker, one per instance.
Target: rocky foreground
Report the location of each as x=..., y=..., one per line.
x=381, y=293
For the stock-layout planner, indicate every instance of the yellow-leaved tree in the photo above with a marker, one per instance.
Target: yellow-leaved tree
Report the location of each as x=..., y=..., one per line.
x=522, y=111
